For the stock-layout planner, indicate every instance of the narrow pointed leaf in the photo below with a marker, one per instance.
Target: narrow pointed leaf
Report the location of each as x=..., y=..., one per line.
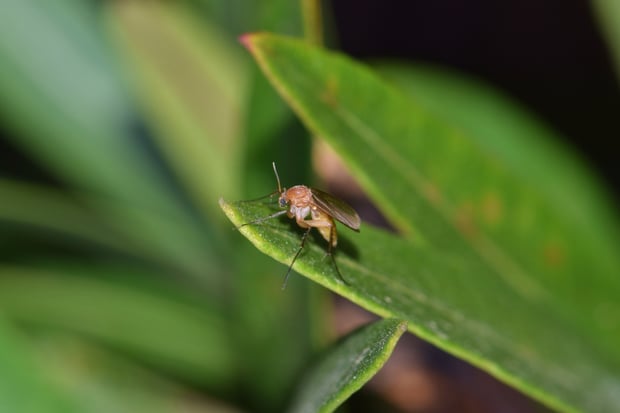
x=608, y=13
x=347, y=367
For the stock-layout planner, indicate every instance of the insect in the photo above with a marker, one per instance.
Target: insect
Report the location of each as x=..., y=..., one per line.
x=312, y=208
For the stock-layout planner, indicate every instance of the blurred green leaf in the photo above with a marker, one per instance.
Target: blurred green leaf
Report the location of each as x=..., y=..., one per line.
x=24, y=387
x=527, y=147
x=61, y=91
x=63, y=97
x=23, y=203
x=608, y=13
x=105, y=381
x=38, y=213
x=495, y=264
x=161, y=329
x=348, y=366
x=275, y=332
x=271, y=130
x=192, y=82
x=240, y=16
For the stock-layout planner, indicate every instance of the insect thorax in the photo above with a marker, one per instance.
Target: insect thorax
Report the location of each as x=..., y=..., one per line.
x=299, y=195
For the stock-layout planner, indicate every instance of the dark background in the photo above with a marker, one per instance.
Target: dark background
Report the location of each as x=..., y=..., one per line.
x=546, y=54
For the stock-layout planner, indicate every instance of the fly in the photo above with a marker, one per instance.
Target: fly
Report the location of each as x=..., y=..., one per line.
x=312, y=208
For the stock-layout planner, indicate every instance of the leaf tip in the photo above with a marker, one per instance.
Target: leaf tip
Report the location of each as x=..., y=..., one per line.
x=222, y=204
x=225, y=207
x=402, y=327
x=246, y=40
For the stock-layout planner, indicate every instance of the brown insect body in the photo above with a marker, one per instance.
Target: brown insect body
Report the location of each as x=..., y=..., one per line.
x=301, y=203
x=321, y=208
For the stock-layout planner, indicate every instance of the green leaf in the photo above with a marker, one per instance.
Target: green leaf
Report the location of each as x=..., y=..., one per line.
x=22, y=204
x=347, y=367
x=77, y=222
x=103, y=381
x=164, y=329
x=483, y=114
x=239, y=16
x=24, y=387
x=491, y=267
x=279, y=326
x=196, y=105
x=608, y=13
x=62, y=95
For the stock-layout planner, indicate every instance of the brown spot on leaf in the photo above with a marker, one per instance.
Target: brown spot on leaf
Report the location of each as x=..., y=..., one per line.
x=492, y=208
x=464, y=220
x=554, y=254
x=329, y=95
x=432, y=193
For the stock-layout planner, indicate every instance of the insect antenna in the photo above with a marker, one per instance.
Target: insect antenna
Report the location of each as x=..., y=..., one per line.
x=277, y=177
x=277, y=192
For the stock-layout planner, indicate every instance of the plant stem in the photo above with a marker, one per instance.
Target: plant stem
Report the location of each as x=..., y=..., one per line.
x=313, y=21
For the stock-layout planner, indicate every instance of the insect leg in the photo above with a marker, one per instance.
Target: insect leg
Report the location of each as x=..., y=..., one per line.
x=259, y=220
x=301, y=247
x=330, y=247
x=259, y=198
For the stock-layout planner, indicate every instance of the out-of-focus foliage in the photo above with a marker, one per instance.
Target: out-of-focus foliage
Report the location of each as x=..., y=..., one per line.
x=140, y=110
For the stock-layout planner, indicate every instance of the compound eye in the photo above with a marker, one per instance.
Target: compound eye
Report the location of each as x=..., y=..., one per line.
x=282, y=202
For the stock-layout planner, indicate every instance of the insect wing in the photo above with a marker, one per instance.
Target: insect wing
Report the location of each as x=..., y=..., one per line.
x=336, y=208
